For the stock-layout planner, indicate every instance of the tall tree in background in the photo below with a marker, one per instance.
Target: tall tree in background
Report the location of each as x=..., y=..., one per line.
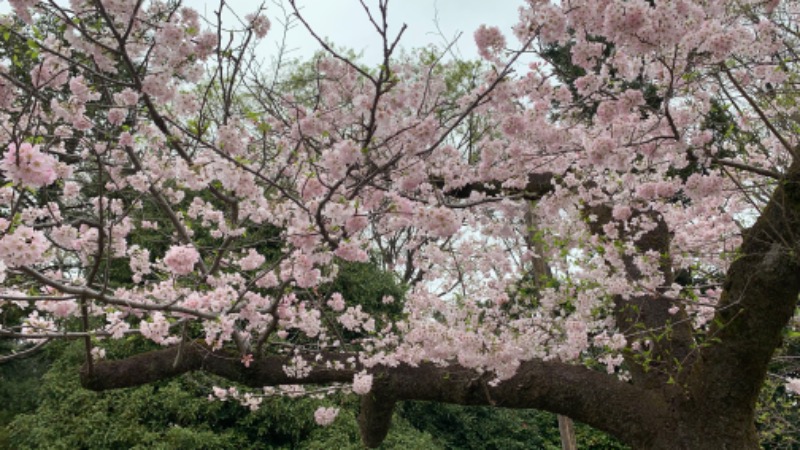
x=128, y=109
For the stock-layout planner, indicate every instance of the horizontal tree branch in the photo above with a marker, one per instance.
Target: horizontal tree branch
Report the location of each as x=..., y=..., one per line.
x=539, y=185
x=591, y=397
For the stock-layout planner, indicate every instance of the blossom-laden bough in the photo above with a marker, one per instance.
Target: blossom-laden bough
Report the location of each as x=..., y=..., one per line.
x=607, y=232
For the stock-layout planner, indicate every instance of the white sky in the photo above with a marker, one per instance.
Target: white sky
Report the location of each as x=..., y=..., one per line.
x=345, y=23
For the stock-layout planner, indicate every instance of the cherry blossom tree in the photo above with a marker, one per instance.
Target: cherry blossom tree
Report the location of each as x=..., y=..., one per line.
x=542, y=223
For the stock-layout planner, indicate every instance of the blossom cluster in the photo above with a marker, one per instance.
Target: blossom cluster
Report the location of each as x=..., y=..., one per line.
x=181, y=259
x=793, y=385
x=23, y=247
x=325, y=416
x=28, y=165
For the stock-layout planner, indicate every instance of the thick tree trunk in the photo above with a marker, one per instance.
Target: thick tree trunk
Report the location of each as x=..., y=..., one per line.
x=699, y=431
x=717, y=439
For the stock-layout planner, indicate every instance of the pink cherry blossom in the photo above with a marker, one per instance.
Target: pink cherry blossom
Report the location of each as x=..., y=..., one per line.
x=181, y=259
x=793, y=385
x=336, y=302
x=25, y=246
x=490, y=41
x=362, y=383
x=621, y=213
x=260, y=24
x=28, y=166
x=325, y=416
x=252, y=261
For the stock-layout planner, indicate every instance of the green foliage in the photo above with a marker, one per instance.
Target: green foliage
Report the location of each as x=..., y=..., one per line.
x=477, y=427
x=173, y=414
x=777, y=413
x=343, y=434
x=19, y=388
x=69, y=417
x=481, y=427
x=777, y=417
x=366, y=284
x=560, y=56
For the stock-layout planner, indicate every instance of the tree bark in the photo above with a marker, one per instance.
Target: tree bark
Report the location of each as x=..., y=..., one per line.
x=594, y=398
x=566, y=428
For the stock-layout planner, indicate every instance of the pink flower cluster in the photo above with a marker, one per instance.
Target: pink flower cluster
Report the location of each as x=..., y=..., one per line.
x=350, y=251
x=362, y=383
x=336, y=302
x=252, y=261
x=259, y=23
x=793, y=385
x=490, y=41
x=156, y=329
x=25, y=246
x=440, y=222
x=28, y=166
x=180, y=259
x=325, y=416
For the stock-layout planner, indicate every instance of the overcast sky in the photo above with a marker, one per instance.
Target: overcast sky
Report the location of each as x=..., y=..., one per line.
x=345, y=23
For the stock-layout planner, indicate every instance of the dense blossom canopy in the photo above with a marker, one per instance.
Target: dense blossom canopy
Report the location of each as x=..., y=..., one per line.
x=589, y=207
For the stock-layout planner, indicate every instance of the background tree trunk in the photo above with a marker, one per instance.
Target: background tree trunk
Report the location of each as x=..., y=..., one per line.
x=567, y=430
x=541, y=272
